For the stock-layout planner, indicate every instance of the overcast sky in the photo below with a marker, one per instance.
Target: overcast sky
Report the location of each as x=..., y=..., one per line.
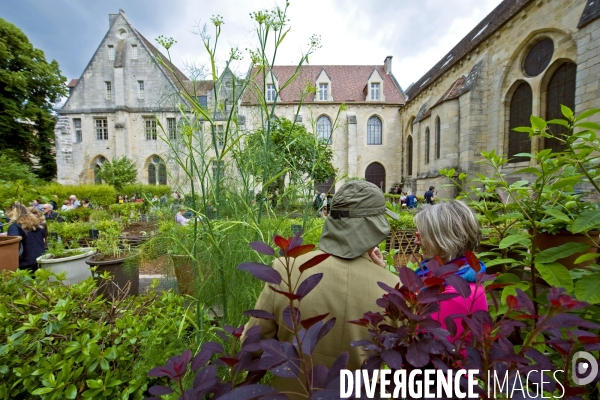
x=417, y=33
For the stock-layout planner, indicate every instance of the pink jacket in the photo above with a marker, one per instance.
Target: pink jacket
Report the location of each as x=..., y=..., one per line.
x=476, y=301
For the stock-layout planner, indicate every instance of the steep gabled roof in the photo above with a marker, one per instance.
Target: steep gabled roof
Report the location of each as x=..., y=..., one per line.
x=490, y=24
x=347, y=83
x=172, y=72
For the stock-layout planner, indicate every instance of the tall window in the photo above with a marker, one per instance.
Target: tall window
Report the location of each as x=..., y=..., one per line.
x=561, y=90
x=220, y=135
x=134, y=51
x=141, y=93
x=520, y=113
x=374, y=131
x=323, y=91
x=108, y=86
x=409, y=155
x=111, y=52
x=157, y=171
x=101, y=129
x=374, y=91
x=150, y=129
x=78, y=134
x=427, y=143
x=437, y=137
x=324, y=129
x=172, y=128
x=271, y=92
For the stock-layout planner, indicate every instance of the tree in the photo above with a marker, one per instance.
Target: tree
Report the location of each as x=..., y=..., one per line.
x=291, y=148
x=120, y=172
x=29, y=87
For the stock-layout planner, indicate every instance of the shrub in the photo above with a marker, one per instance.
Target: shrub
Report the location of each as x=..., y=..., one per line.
x=146, y=191
x=65, y=342
x=102, y=195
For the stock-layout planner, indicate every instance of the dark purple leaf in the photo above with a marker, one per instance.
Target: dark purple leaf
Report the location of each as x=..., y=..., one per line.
x=339, y=364
x=450, y=325
x=296, y=240
x=276, y=396
x=473, y=261
x=244, y=358
x=248, y=392
x=432, y=346
x=327, y=326
x=387, y=288
x=158, y=390
x=290, y=368
x=446, y=270
x=567, y=321
x=287, y=317
x=316, y=260
x=431, y=295
x=460, y=285
x=371, y=364
x=273, y=354
x=213, y=347
x=332, y=393
x=200, y=359
x=223, y=336
x=262, y=248
x=309, y=338
x=308, y=322
x=473, y=360
x=300, y=250
x=309, y=284
x=261, y=271
x=231, y=361
x=318, y=376
x=410, y=279
x=525, y=301
x=261, y=314
x=289, y=295
x=416, y=356
x=175, y=366
x=392, y=358
x=205, y=378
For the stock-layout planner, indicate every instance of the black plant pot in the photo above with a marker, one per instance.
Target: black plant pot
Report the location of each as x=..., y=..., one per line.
x=121, y=275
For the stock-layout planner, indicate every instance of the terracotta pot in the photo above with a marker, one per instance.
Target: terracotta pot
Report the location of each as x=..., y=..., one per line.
x=121, y=275
x=74, y=266
x=9, y=252
x=546, y=240
x=184, y=272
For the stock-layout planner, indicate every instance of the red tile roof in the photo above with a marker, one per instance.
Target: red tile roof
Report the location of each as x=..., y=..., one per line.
x=348, y=83
x=72, y=83
x=453, y=91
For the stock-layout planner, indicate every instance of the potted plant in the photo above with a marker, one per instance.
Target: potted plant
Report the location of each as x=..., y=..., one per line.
x=59, y=259
x=9, y=252
x=117, y=259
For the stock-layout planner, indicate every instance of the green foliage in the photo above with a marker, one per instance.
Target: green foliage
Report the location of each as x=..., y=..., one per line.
x=292, y=149
x=80, y=214
x=128, y=210
x=14, y=170
x=29, y=87
x=146, y=191
x=118, y=172
x=101, y=195
x=65, y=342
x=72, y=232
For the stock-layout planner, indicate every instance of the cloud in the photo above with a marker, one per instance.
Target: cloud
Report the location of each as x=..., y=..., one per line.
x=416, y=34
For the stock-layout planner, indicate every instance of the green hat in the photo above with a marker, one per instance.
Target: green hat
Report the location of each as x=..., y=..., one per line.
x=357, y=220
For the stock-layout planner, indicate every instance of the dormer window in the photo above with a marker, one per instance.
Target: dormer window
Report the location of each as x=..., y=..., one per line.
x=375, y=91
x=271, y=94
x=111, y=52
x=323, y=91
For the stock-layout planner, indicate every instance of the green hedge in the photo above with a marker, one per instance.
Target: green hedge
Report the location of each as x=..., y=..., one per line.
x=146, y=190
x=102, y=195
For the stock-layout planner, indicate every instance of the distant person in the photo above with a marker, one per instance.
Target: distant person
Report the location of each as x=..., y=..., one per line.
x=181, y=220
x=66, y=205
x=74, y=202
x=54, y=204
x=49, y=212
x=85, y=203
x=126, y=199
x=120, y=199
x=429, y=195
x=164, y=200
x=411, y=200
x=30, y=226
x=37, y=203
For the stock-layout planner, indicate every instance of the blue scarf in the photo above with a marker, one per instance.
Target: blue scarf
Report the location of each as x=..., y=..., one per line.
x=465, y=271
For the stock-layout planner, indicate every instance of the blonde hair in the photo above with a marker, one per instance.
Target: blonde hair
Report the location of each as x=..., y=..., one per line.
x=447, y=230
x=30, y=219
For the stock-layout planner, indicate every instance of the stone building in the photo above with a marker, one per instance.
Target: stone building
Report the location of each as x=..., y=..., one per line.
x=112, y=108
x=364, y=136
x=526, y=57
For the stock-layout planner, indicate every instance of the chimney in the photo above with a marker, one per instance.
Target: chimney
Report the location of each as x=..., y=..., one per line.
x=111, y=19
x=387, y=65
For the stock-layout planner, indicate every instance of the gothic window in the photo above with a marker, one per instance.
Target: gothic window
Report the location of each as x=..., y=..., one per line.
x=375, y=173
x=438, y=137
x=409, y=155
x=374, y=130
x=151, y=174
x=324, y=129
x=150, y=129
x=520, y=113
x=101, y=129
x=162, y=174
x=561, y=90
x=539, y=57
x=157, y=171
x=97, y=167
x=427, y=143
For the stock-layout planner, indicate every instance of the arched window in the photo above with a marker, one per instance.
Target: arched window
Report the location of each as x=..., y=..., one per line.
x=324, y=129
x=375, y=173
x=437, y=137
x=97, y=167
x=157, y=171
x=520, y=113
x=561, y=90
x=427, y=143
x=374, y=130
x=409, y=155
x=151, y=174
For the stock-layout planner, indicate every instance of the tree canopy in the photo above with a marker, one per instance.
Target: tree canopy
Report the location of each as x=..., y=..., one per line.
x=29, y=88
x=290, y=147
x=120, y=172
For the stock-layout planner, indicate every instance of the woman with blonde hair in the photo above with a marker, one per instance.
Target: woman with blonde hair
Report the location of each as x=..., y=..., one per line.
x=450, y=231
x=30, y=225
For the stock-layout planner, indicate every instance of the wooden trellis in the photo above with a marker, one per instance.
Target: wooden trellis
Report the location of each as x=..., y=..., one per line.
x=404, y=242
